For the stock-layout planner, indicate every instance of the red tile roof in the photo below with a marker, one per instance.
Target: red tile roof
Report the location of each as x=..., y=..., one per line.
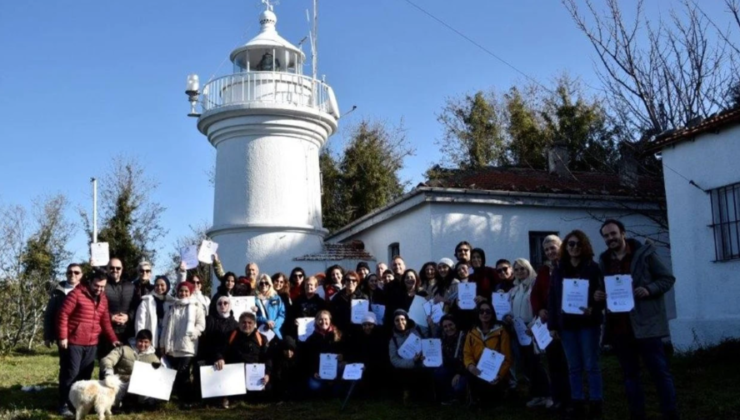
x=540, y=181
x=335, y=252
x=731, y=116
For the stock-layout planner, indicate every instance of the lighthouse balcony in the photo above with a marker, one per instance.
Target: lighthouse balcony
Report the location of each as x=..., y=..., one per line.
x=268, y=88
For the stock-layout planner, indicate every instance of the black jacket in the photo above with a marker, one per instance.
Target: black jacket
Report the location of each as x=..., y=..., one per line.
x=372, y=350
x=56, y=298
x=317, y=344
x=304, y=307
x=122, y=299
x=216, y=336
x=587, y=270
x=341, y=309
x=246, y=348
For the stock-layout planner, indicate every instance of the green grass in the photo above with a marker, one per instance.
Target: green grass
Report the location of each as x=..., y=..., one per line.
x=708, y=386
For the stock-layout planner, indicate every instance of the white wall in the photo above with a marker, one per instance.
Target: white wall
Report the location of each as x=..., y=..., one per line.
x=707, y=292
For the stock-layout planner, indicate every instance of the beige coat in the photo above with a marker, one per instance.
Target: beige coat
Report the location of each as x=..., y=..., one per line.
x=184, y=322
x=120, y=361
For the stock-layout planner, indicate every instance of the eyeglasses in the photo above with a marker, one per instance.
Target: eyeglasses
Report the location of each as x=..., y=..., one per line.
x=223, y=304
x=116, y=268
x=75, y=273
x=196, y=282
x=145, y=271
x=573, y=244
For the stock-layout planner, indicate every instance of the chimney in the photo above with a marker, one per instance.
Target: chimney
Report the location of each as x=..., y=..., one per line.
x=558, y=160
x=628, y=168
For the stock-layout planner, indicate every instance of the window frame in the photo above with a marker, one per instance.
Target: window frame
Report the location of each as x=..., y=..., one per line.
x=538, y=236
x=725, y=223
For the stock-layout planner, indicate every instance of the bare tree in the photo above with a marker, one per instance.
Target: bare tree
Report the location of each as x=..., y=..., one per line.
x=660, y=75
x=32, y=256
x=197, y=234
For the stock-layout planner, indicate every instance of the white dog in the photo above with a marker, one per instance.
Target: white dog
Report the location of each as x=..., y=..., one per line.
x=100, y=395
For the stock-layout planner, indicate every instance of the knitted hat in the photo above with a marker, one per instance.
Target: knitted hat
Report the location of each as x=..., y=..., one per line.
x=190, y=286
x=370, y=319
x=288, y=343
x=446, y=261
x=401, y=312
x=362, y=264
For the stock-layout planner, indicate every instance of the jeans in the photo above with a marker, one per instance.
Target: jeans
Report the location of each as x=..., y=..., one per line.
x=443, y=379
x=582, y=351
x=76, y=363
x=182, y=385
x=539, y=384
x=558, y=367
x=629, y=350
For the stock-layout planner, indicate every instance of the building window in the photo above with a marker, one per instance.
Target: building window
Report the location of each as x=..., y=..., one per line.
x=726, y=221
x=393, y=250
x=536, y=253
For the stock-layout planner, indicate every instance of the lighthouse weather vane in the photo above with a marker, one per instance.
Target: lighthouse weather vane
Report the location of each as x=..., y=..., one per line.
x=270, y=4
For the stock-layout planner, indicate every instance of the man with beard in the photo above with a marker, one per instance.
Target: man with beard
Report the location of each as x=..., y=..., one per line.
x=639, y=333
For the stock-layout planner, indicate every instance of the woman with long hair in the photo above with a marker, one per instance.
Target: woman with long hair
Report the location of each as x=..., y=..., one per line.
x=270, y=309
x=226, y=288
x=428, y=278
x=579, y=333
x=152, y=309
x=295, y=282
x=341, y=304
x=326, y=339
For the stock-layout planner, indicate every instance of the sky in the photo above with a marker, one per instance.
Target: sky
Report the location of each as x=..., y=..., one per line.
x=88, y=80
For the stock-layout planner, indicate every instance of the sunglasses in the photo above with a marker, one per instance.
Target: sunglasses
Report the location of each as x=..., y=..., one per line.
x=573, y=244
x=145, y=271
x=196, y=282
x=116, y=268
x=300, y=276
x=486, y=312
x=223, y=303
x=76, y=273
x=503, y=269
x=263, y=283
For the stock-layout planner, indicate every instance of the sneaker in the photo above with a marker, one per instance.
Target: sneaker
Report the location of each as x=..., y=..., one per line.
x=549, y=404
x=536, y=402
x=64, y=411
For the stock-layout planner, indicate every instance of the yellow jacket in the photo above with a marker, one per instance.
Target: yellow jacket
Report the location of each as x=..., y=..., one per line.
x=497, y=339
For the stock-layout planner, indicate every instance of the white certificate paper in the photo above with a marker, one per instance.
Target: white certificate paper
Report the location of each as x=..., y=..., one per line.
x=305, y=328
x=353, y=371
x=379, y=311
x=436, y=311
x=328, y=364
x=575, y=296
x=189, y=255
x=206, y=250
x=619, y=294
x=241, y=304
x=541, y=334
x=268, y=333
x=360, y=308
x=466, y=295
x=255, y=373
x=431, y=348
x=490, y=364
x=221, y=383
x=99, y=254
x=150, y=382
x=416, y=311
x=521, y=332
x=410, y=348
x=501, y=304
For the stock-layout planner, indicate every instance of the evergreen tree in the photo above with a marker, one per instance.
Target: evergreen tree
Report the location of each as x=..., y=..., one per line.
x=473, y=132
x=333, y=213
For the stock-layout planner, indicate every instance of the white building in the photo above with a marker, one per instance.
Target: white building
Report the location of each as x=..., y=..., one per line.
x=702, y=184
x=268, y=122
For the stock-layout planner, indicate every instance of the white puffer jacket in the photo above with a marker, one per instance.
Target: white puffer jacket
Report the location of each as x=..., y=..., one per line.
x=146, y=316
x=184, y=322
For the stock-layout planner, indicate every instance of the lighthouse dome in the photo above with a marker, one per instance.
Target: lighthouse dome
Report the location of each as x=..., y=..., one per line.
x=268, y=51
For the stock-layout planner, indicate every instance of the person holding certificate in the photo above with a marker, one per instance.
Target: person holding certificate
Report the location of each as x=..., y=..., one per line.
x=120, y=361
x=450, y=378
x=219, y=326
x=556, y=362
x=576, y=317
x=487, y=333
x=523, y=347
x=341, y=304
x=270, y=308
x=326, y=339
x=183, y=324
x=245, y=345
x=638, y=332
x=464, y=317
x=404, y=350
x=403, y=298
x=308, y=304
x=369, y=348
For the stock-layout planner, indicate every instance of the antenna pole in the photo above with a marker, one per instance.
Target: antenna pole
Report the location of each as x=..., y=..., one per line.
x=315, y=58
x=95, y=209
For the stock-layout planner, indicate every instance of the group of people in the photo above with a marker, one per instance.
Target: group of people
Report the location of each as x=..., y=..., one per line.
x=143, y=321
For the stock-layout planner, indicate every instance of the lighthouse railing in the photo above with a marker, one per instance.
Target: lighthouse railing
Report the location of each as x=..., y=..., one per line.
x=269, y=88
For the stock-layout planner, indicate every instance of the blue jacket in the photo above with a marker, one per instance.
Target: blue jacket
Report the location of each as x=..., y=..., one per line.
x=275, y=312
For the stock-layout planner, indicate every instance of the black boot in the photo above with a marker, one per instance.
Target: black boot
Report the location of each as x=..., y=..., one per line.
x=596, y=410
x=576, y=410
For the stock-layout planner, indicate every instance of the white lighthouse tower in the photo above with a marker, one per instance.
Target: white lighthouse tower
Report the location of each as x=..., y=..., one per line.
x=268, y=122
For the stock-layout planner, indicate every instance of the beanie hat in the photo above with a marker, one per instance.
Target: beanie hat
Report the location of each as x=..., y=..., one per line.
x=288, y=343
x=190, y=286
x=401, y=312
x=447, y=261
x=362, y=264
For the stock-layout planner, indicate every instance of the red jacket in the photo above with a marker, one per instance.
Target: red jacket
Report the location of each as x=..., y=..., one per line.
x=540, y=290
x=81, y=319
